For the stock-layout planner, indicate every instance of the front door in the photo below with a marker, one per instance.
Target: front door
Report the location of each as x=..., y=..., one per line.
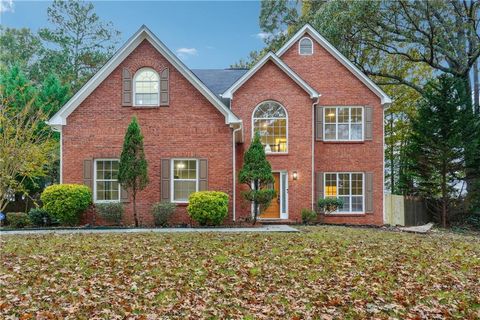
x=273, y=210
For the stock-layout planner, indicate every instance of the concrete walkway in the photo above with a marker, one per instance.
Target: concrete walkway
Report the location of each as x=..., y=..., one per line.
x=418, y=229
x=269, y=228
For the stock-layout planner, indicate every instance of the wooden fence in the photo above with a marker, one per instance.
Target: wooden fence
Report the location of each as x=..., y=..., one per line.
x=405, y=211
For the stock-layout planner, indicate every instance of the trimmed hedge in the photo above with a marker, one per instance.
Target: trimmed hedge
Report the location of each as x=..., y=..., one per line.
x=39, y=217
x=18, y=220
x=208, y=207
x=111, y=212
x=308, y=216
x=162, y=211
x=66, y=202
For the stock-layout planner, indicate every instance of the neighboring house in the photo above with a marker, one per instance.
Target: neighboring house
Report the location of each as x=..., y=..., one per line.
x=319, y=117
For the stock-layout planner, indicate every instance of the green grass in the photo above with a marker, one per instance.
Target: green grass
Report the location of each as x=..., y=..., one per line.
x=329, y=272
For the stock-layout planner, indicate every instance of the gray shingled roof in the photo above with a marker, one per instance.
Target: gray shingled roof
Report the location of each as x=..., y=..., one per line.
x=219, y=80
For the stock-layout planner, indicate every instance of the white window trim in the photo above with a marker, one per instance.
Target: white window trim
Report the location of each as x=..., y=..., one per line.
x=172, y=178
x=363, y=191
x=349, y=124
x=95, y=182
x=300, y=52
x=286, y=123
x=134, y=87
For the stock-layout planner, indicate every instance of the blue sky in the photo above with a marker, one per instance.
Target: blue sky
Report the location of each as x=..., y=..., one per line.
x=204, y=34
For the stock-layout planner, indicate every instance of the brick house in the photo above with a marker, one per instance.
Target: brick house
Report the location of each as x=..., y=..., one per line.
x=319, y=118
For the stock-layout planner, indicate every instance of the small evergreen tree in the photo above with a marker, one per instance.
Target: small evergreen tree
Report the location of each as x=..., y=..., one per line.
x=132, y=172
x=437, y=147
x=256, y=173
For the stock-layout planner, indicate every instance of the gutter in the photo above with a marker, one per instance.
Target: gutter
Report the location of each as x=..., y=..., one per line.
x=313, y=151
x=234, y=165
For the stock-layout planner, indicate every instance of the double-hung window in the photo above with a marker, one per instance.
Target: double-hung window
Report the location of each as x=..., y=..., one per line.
x=184, y=178
x=343, y=123
x=347, y=187
x=106, y=186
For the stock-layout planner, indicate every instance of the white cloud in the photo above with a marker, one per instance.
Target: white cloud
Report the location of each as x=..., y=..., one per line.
x=263, y=35
x=6, y=6
x=186, y=52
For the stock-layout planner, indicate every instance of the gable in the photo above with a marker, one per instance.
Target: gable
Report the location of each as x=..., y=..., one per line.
x=271, y=57
x=60, y=118
x=307, y=30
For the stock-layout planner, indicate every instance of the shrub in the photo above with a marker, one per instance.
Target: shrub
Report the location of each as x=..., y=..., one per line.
x=162, y=211
x=208, y=207
x=17, y=219
x=39, y=217
x=66, y=202
x=308, y=216
x=328, y=205
x=111, y=212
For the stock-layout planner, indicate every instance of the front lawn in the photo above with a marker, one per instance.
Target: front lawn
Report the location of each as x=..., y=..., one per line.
x=323, y=272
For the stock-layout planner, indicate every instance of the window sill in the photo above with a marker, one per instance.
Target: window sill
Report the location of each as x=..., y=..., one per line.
x=347, y=214
x=147, y=107
x=276, y=153
x=180, y=204
x=343, y=141
x=106, y=201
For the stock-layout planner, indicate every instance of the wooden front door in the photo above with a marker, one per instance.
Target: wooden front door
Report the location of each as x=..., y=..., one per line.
x=273, y=211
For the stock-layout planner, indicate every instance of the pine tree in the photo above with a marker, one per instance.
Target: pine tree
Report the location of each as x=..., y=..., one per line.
x=132, y=172
x=437, y=147
x=256, y=173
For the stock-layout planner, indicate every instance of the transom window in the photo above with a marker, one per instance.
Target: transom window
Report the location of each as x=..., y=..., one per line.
x=185, y=179
x=343, y=123
x=347, y=187
x=270, y=121
x=305, y=46
x=146, y=86
x=107, y=188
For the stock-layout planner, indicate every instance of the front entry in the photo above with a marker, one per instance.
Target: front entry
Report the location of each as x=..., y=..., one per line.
x=273, y=210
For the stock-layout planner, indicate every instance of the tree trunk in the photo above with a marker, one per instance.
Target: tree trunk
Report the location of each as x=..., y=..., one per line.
x=444, y=195
x=134, y=196
x=255, y=203
x=476, y=89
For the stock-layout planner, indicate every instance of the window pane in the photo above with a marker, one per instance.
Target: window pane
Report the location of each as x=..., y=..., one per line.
x=306, y=46
x=346, y=204
x=357, y=204
x=357, y=184
x=356, y=133
x=330, y=115
x=330, y=133
x=356, y=115
x=330, y=185
x=106, y=183
x=343, y=116
x=343, y=131
x=183, y=189
x=343, y=184
x=146, y=88
x=185, y=169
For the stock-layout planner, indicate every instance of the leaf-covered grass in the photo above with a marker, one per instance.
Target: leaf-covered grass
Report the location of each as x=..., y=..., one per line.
x=321, y=273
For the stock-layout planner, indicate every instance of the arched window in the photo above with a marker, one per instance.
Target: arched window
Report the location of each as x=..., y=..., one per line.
x=270, y=120
x=305, y=47
x=146, y=87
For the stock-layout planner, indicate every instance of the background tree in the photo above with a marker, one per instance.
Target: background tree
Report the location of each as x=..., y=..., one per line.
x=25, y=150
x=436, y=150
x=18, y=47
x=81, y=42
x=132, y=173
x=256, y=173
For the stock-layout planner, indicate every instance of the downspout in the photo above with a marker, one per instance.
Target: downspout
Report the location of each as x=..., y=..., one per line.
x=234, y=164
x=313, y=152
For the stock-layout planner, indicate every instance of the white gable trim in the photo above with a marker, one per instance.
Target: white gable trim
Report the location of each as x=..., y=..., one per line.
x=270, y=57
x=60, y=118
x=385, y=99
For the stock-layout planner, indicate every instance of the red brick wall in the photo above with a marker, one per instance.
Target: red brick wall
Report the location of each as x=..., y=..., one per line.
x=271, y=83
x=190, y=127
x=339, y=87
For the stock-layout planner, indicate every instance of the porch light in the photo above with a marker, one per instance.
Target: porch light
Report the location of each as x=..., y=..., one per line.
x=295, y=175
